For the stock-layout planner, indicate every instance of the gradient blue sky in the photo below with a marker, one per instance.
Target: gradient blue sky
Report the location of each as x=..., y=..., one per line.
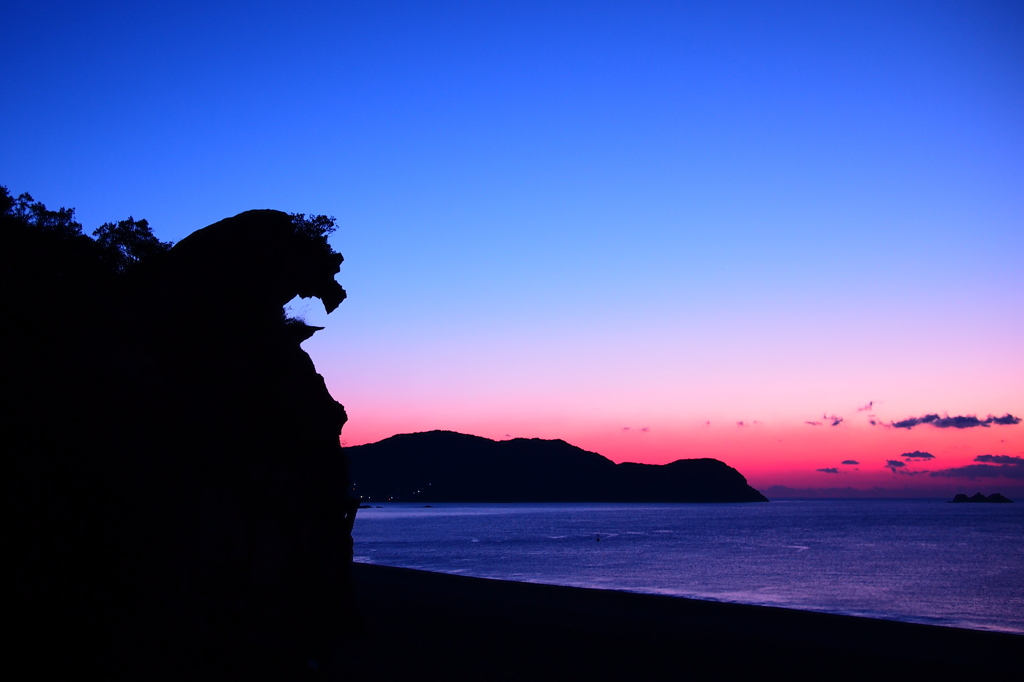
x=566, y=219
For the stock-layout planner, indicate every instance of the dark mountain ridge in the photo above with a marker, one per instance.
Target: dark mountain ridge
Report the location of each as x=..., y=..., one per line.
x=445, y=466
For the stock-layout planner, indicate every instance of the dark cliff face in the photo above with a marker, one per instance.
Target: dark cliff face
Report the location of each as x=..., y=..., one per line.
x=454, y=467
x=173, y=484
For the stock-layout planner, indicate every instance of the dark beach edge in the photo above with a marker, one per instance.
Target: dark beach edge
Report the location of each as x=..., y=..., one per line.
x=433, y=626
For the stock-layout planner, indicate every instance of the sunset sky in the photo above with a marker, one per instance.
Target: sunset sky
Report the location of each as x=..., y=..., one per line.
x=766, y=232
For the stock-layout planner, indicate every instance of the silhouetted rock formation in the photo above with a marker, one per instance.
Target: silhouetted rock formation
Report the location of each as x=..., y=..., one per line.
x=978, y=497
x=444, y=466
x=174, y=487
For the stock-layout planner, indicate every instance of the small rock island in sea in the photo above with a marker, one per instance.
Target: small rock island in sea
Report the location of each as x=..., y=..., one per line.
x=978, y=497
x=444, y=466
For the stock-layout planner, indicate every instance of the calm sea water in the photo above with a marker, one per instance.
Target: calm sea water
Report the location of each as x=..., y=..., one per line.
x=917, y=561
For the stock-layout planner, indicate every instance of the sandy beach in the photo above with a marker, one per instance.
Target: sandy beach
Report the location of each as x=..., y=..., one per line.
x=429, y=626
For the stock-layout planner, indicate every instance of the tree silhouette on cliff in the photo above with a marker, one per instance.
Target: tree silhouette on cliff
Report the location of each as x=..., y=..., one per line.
x=128, y=242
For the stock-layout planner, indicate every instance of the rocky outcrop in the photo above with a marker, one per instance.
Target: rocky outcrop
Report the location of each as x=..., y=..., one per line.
x=978, y=497
x=174, y=487
x=444, y=466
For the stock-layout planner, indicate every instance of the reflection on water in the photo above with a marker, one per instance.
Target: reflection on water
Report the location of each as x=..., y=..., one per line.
x=918, y=561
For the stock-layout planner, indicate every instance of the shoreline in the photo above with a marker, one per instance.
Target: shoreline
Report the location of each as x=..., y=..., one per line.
x=909, y=620
x=445, y=627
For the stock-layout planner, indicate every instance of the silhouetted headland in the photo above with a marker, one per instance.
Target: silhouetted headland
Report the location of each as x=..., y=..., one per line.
x=444, y=466
x=174, y=487
x=980, y=498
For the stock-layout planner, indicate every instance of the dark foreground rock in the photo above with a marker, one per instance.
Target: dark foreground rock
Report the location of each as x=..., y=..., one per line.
x=444, y=466
x=174, y=492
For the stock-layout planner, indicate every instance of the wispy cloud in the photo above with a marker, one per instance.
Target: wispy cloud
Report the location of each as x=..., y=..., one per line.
x=865, y=408
x=911, y=422
x=828, y=470
x=989, y=466
x=917, y=454
x=961, y=422
x=999, y=459
x=835, y=421
x=898, y=467
x=958, y=422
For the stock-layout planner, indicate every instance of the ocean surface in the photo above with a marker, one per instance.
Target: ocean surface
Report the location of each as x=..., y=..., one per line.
x=959, y=565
